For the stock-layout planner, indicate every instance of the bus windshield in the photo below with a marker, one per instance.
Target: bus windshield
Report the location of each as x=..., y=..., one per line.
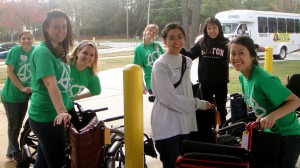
x=229, y=28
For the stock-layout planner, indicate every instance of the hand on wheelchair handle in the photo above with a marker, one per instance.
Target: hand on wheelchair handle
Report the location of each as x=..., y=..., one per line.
x=62, y=119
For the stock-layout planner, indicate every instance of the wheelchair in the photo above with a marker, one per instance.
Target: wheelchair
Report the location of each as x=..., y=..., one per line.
x=107, y=155
x=257, y=150
x=111, y=154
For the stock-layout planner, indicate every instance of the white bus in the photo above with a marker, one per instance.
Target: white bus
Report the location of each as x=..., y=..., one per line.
x=279, y=30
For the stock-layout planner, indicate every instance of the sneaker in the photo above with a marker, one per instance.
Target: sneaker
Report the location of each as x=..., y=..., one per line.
x=9, y=157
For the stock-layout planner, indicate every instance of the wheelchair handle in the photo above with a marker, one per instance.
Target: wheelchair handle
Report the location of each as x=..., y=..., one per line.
x=95, y=110
x=113, y=118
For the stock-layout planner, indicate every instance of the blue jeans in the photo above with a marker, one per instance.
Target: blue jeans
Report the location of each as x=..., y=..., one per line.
x=169, y=149
x=15, y=113
x=51, y=146
x=289, y=151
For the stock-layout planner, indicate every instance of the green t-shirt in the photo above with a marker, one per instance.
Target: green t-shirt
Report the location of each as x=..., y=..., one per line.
x=19, y=59
x=265, y=93
x=145, y=58
x=81, y=80
x=43, y=63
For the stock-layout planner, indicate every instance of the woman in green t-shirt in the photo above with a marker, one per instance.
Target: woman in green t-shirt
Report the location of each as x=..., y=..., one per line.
x=272, y=102
x=146, y=53
x=83, y=65
x=16, y=91
x=50, y=75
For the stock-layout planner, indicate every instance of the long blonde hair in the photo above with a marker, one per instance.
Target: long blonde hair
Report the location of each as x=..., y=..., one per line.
x=79, y=47
x=148, y=27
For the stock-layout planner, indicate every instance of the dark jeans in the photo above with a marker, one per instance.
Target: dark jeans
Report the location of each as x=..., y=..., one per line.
x=51, y=146
x=15, y=113
x=289, y=151
x=169, y=149
x=208, y=91
x=205, y=121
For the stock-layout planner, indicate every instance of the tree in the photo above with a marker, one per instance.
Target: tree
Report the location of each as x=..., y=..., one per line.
x=195, y=20
x=185, y=21
x=16, y=16
x=74, y=9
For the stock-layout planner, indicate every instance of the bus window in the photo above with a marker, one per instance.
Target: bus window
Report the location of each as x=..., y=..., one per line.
x=281, y=25
x=290, y=25
x=297, y=26
x=262, y=25
x=272, y=23
x=242, y=30
x=229, y=28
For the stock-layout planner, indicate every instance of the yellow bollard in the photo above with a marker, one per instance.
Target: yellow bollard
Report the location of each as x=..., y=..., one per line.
x=94, y=40
x=133, y=116
x=269, y=59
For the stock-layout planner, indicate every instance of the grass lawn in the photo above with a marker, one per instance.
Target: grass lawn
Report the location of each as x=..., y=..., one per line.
x=280, y=69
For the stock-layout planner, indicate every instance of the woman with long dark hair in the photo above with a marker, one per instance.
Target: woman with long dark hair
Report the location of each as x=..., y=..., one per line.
x=50, y=89
x=213, y=73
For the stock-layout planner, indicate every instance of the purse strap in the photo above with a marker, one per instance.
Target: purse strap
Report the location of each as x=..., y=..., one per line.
x=183, y=68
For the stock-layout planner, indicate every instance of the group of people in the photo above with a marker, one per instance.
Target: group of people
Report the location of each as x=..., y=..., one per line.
x=174, y=110
x=52, y=80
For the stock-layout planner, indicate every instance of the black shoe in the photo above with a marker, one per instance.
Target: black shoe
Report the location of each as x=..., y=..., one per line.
x=17, y=157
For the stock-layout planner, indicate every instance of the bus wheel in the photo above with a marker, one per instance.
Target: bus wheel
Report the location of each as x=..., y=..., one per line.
x=282, y=54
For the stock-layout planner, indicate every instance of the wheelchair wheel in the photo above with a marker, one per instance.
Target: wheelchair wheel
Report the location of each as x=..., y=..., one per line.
x=114, y=153
x=28, y=144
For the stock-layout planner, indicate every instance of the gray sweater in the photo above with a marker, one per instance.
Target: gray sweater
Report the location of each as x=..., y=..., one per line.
x=174, y=109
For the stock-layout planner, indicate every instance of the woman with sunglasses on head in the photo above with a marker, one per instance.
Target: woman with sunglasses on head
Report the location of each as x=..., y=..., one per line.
x=271, y=101
x=51, y=89
x=146, y=53
x=173, y=113
x=83, y=65
x=16, y=91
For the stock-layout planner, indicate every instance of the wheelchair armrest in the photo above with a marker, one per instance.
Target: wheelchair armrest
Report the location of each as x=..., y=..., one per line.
x=231, y=127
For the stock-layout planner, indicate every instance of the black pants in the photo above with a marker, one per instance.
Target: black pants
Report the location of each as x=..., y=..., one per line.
x=216, y=93
x=169, y=149
x=205, y=121
x=206, y=118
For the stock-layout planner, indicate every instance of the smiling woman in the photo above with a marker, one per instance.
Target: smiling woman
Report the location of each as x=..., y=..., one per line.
x=50, y=87
x=273, y=104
